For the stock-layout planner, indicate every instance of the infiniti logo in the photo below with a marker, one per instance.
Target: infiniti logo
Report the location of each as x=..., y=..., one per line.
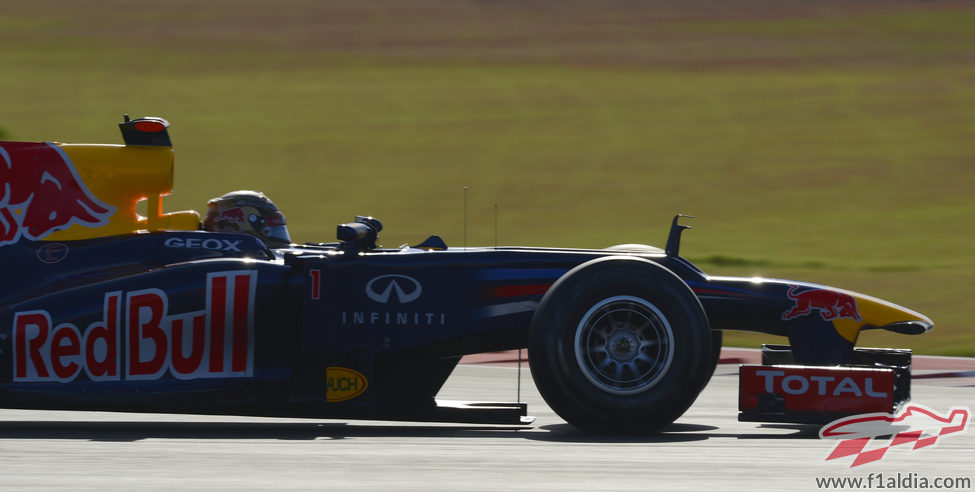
x=407, y=289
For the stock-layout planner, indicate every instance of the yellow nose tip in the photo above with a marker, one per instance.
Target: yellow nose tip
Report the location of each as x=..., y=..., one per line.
x=877, y=313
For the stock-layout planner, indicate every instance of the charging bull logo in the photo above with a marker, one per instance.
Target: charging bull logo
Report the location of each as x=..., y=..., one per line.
x=235, y=215
x=138, y=338
x=915, y=424
x=41, y=192
x=829, y=303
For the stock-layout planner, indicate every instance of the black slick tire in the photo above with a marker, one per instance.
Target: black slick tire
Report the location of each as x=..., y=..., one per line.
x=620, y=345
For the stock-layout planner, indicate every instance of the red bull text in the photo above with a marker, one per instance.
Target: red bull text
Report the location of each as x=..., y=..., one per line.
x=139, y=339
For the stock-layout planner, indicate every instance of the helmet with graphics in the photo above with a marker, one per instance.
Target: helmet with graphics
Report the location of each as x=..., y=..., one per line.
x=247, y=212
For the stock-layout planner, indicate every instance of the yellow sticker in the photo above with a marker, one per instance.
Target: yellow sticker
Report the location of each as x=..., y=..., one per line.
x=343, y=384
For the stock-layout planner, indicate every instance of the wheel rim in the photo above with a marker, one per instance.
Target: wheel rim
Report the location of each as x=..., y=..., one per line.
x=624, y=345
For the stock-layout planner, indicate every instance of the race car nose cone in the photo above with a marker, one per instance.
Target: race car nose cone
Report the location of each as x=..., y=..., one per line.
x=880, y=314
x=914, y=327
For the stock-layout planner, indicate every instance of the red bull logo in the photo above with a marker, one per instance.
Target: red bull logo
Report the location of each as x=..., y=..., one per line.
x=235, y=215
x=138, y=338
x=41, y=192
x=915, y=425
x=830, y=304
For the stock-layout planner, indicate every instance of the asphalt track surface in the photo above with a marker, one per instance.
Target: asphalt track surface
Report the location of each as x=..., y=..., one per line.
x=706, y=449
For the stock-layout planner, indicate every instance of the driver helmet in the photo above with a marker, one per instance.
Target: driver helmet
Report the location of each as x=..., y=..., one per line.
x=247, y=212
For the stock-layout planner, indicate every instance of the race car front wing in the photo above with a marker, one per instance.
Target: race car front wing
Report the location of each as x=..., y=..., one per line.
x=877, y=381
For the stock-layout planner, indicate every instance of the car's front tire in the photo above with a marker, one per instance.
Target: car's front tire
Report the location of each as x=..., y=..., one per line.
x=620, y=345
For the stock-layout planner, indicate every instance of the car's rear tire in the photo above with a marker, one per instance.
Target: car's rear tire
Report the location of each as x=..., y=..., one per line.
x=620, y=345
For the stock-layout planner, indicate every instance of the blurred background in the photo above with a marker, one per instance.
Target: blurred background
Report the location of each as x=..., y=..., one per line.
x=827, y=141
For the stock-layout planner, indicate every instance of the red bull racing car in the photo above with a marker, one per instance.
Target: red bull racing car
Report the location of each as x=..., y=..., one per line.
x=104, y=309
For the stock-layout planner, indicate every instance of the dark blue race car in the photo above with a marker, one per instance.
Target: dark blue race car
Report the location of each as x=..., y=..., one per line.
x=104, y=309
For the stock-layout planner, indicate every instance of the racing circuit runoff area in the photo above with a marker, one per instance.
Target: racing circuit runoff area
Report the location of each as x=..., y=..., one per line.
x=706, y=449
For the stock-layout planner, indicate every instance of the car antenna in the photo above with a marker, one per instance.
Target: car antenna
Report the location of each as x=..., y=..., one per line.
x=495, y=226
x=466, y=188
x=518, y=397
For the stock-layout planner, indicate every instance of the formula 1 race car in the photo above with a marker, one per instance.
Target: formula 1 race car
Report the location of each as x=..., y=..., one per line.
x=103, y=309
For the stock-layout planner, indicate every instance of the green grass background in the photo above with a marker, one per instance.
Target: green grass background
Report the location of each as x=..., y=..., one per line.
x=823, y=141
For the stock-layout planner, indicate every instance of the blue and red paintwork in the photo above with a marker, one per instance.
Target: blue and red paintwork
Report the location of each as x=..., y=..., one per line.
x=107, y=310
